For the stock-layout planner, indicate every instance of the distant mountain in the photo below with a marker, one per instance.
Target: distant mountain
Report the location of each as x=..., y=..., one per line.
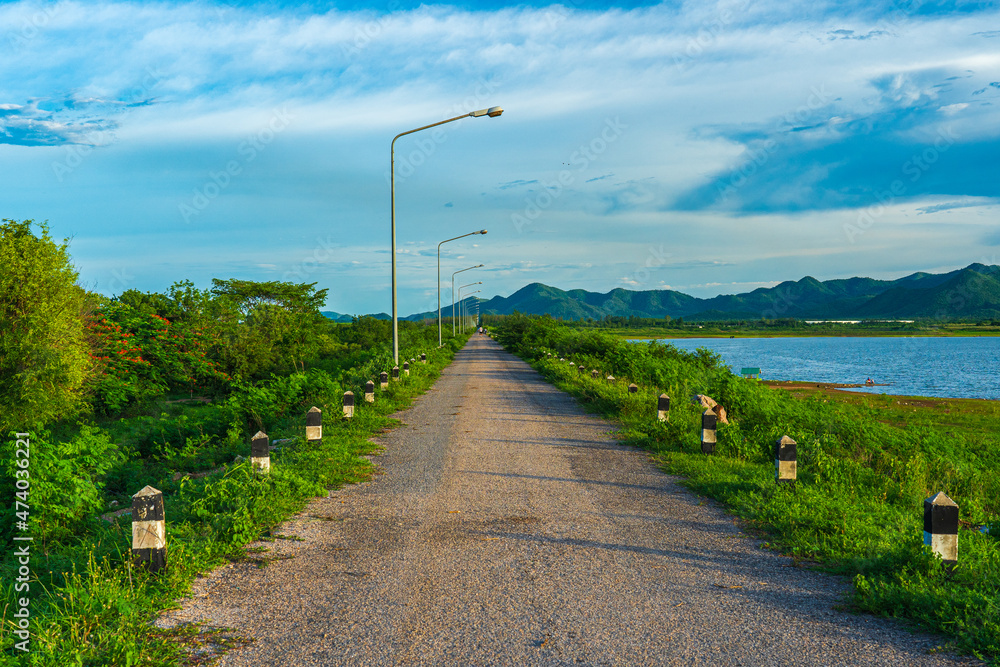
x=969, y=293
x=344, y=319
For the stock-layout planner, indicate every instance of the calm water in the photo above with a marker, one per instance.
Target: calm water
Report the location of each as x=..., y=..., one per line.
x=945, y=367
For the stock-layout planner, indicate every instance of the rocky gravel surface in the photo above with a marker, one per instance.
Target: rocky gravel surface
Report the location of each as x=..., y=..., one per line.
x=509, y=528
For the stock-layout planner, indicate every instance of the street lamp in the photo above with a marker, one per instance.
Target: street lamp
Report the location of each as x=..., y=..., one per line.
x=465, y=308
x=481, y=231
x=492, y=112
x=461, y=306
x=453, y=294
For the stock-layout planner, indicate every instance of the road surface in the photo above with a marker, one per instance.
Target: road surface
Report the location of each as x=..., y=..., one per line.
x=510, y=528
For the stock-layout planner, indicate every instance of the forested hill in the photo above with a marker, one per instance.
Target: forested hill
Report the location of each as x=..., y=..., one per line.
x=969, y=293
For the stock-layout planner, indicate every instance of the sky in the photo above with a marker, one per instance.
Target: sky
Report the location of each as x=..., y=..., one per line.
x=706, y=147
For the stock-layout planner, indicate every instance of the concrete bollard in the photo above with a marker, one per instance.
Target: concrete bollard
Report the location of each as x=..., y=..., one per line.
x=663, y=408
x=149, y=530
x=562, y=359
x=633, y=389
x=395, y=372
x=314, y=424
x=572, y=364
x=708, y=424
x=413, y=360
x=611, y=379
x=595, y=373
x=406, y=368
x=941, y=527
x=383, y=380
x=784, y=460
x=369, y=392
x=423, y=358
x=260, y=453
x=581, y=368
x=348, y=404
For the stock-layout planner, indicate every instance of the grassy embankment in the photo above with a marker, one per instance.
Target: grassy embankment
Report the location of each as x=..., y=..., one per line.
x=866, y=463
x=89, y=604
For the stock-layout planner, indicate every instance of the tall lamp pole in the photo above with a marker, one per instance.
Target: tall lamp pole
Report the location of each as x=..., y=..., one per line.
x=465, y=309
x=492, y=112
x=461, y=305
x=453, y=294
x=481, y=231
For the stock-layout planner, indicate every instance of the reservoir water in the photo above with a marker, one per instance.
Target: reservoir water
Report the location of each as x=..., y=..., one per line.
x=911, y=366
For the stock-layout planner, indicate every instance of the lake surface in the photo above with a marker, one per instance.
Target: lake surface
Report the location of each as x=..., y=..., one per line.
x=912, y=366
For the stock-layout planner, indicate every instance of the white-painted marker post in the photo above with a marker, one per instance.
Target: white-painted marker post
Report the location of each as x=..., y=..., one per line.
x=314, y=425
x=260, y=453
x=423, y=358
x=611, y=379
x=383, y=380
x=784, y=461
x=149, y=530
x=369, y=392
x=941, y=527
x=633, y=388
x=581, y=368
x=595, y=374
x=708, y=425
x=663, y=408
x=406, y=368
x=348, y=404
x=395, y=373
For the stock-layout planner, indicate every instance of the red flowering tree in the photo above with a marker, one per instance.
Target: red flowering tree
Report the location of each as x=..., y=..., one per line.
x=143, y=355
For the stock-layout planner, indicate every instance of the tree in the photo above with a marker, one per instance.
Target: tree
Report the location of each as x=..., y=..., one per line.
x=44, y=357
x=278, y=325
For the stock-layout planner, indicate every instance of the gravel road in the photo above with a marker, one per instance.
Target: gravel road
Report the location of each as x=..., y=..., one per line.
x=509, y=528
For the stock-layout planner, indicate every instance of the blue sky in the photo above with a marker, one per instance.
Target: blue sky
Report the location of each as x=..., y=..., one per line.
x=708, y=147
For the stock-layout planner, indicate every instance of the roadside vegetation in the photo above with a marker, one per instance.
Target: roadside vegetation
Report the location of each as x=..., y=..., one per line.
x=865, y=465
x=166, y=389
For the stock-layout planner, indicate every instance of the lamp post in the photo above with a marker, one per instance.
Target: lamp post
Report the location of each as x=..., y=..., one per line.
x=453, y=294
x=461, y=305
x=492, y=112
x=482, y=231
x=465, y=310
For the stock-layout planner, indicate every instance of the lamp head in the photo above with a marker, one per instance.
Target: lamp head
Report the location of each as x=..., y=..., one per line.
x=492, y=112
x=481, y=232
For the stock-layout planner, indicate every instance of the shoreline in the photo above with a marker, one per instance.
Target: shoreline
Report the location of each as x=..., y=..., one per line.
x=799, y=334
x=841, y=390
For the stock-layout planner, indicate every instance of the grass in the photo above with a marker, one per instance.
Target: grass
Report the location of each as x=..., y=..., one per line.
x=865, y=465
x=90, y=605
